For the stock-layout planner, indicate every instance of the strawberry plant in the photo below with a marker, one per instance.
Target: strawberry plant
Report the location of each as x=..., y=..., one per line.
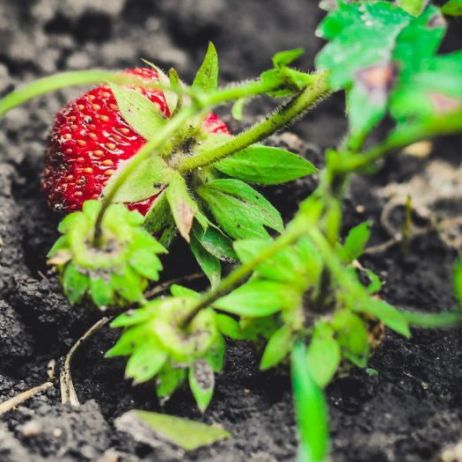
x=143, y=158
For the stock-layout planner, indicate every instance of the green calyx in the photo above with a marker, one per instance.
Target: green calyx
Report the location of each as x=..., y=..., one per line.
x=114, y=267
x=160, y=347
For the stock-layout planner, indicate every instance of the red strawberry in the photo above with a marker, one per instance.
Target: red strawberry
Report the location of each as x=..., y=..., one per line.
x=88, y=141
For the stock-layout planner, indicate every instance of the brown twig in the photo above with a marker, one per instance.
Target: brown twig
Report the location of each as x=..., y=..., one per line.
x=11, y=403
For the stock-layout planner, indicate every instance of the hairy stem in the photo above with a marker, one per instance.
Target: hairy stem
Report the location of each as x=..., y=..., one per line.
x=230, y=282
x=280, y=118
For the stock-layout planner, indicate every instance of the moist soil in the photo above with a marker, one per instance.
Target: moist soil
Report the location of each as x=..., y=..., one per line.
x=407, y=407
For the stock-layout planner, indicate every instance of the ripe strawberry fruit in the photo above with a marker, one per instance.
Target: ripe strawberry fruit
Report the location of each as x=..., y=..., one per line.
x=90, y=139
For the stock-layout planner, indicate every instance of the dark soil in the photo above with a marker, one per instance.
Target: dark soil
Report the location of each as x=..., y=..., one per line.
x=407, y=412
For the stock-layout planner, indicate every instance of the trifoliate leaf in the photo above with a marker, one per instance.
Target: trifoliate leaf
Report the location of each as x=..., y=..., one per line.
x=386, y=313
x=355, y=242
x=147, y=180
x=277, y=347
x=265, y=165
x=310, y=409
x=239, y=210
x=138, y=111
x=183, y=207
x=258, y=298
x=323, y=354
x=452, y=8
x=184, y=433
x=207, y=77
x=202, y=383
x=146, y=361
x=209, y=264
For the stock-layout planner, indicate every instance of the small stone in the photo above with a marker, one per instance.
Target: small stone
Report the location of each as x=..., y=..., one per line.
x=31, y=429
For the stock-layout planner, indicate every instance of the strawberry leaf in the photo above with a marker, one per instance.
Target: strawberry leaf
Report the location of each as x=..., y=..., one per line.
x=238, y=209
x=209, y=264
x=265, y=165
x=452, y=8
x=215, y=242
x=138, y=111
x=159, y=220
x=259, y=298
x=207, y=77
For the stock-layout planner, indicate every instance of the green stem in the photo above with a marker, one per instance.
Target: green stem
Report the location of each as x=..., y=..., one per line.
x=294, y=231
x=400, y=138
x=280, y=118
x=161, y=136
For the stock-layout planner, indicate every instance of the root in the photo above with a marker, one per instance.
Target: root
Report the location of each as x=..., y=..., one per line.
x=68, y=393
x=11, y=403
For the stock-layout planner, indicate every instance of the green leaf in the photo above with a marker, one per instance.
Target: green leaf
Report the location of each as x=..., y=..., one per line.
x=159, y=220
x=128, y=284
x=216, y=354
x=388, y=314
x=183, y=207
x=201, y=382
x=414, y=7
x=147, y=180
x=146, y=361
x=258, y=298
x=284, y=58
x=101, y=291
x=209, y=264
x=310, y=409
x=129, y=341
x=207, y=77
x=180, y=291
x=375, y=283
x=452, y=8
x=323, y=354
x=146, y=263
x=241, y=211
x=228, y=326
x=138, y=111
x=265, y=165
x=215, y=242
x=277, y=347
x=75, y=284
x=181, y=432
x=285, y=266
x=458, y=281
x=168, y=380
x=352, y=336
x=237, y=109
x=432, y=92
x=355, y=242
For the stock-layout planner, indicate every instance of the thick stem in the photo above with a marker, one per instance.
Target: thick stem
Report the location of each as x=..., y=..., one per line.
x=280, y=118
x=295, y=230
